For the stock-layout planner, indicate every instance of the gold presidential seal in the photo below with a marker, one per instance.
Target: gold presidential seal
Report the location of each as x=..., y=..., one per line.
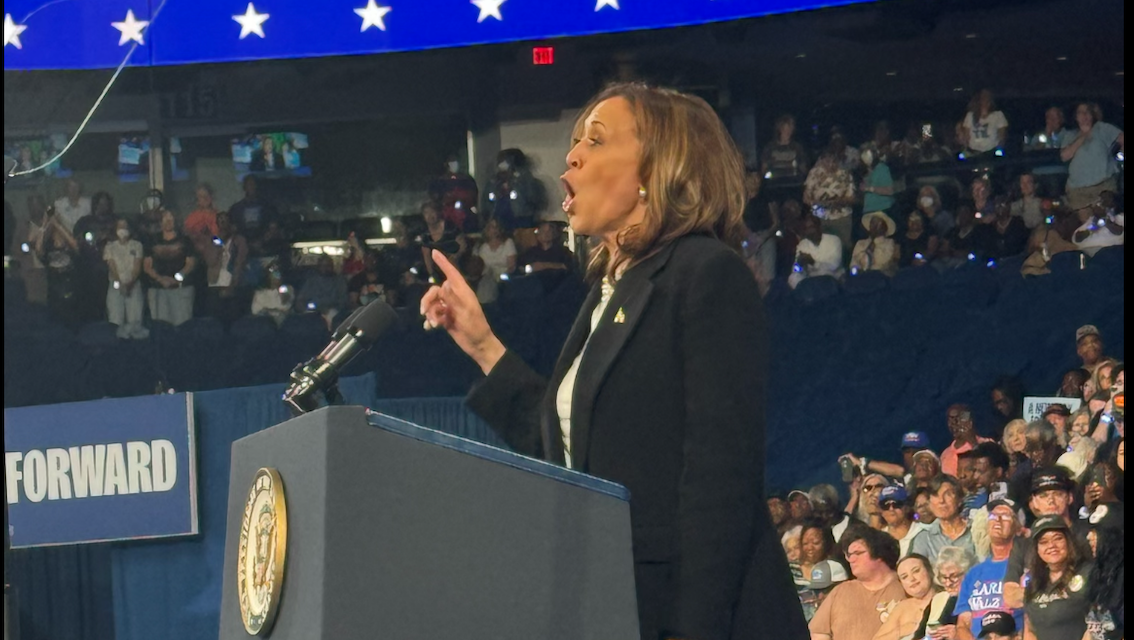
x=263, y=551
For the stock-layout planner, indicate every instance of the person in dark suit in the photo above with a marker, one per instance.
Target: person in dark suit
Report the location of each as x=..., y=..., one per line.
x=266, y=158
x=661, y=384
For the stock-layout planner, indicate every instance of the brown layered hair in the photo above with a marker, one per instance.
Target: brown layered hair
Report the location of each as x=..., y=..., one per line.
x=690, y=167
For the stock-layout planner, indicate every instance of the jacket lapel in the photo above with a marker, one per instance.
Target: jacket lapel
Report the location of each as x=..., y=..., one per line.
x=621, y=316
x=552, y=434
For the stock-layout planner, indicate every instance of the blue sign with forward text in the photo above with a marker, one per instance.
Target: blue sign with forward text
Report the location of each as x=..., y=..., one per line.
x=116, y=469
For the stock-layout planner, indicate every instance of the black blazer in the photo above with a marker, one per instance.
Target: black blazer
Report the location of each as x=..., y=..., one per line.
x=669, y=401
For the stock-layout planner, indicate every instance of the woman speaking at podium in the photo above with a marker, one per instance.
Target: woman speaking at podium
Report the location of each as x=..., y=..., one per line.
x=661, y=384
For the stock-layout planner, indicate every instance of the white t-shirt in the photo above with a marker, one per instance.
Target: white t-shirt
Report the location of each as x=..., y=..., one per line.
x=496, y=260
x=1101, y=236
x=984, y=135
x=123, y=256
x=69, y=213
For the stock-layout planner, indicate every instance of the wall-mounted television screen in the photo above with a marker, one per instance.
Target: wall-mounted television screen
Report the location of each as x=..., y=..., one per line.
x=133, y=158
x=271, y=155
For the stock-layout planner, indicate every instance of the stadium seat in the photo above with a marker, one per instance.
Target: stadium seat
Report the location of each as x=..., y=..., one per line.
x=866, y=282
x=915, y=278
x=817, y=288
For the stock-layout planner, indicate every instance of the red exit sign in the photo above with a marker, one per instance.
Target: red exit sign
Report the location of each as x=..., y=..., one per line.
x=543, y=55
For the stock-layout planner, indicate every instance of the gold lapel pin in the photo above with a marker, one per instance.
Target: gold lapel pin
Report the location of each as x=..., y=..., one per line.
x=620, y=317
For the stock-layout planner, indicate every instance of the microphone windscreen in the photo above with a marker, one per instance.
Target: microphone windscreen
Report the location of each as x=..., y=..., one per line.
x=374, y=320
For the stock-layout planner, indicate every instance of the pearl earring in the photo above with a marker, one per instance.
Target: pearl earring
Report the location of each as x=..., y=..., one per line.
x=642, y=193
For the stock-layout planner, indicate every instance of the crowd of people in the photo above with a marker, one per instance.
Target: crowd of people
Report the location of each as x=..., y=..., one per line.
x=1013, y=534
x=87, y=262
x=1070, y=203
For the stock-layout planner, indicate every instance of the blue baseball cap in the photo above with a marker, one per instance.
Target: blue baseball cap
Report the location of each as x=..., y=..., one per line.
x=893, y=493
x=915, y=440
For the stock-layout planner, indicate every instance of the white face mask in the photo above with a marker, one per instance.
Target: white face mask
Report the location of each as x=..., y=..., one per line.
x=503, y=166
x=123, y=234
x=867, y=157
x=926, y=202
x=453, y=166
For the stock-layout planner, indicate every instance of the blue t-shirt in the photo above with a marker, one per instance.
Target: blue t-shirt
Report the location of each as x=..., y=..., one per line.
x=879, y=177
x=982, y=591
x=1093, y=162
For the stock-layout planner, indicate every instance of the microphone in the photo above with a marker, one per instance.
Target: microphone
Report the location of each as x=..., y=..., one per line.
x=320, y=375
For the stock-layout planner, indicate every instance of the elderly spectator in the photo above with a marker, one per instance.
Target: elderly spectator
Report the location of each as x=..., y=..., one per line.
x=1092, y=167
x=201, y=225
x=940, y=623
x=29, y=233
x=1042, y=445
x=916, y=576
x=72, y=206
x=1057, y=598
x=124, y=300
x=1029, y=207
x=169, y=263
x=919, y=244
x=877, y=252
x=1102, y=226
x=984, y=204
x=1056, y=415
x=829, y=191
x=1013, y=442
x=58, y=250
x=229, y=295
x=275, y=299
x=366, y=286
x=324, y=292
x=784, y=157
x=864, y=499
x=926, y=467
x=791, y=543
x=949, y=529
x=878, y=185
x=985, y=127
x=960, y=420
x=1005, y=236
x=1089, y=346
x=499, y=255
x=962, y=241
x=856, y=609
x=897, y=511
x=818, y=253
x=982, y=589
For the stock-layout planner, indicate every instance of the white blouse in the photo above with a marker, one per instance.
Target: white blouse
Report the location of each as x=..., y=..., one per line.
x=566, y=389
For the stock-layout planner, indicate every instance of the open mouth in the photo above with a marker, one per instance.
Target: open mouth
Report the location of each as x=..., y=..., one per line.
x=569, y=199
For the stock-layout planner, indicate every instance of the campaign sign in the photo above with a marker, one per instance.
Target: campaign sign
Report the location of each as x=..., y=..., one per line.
x=115, y=469
x=1035, y=406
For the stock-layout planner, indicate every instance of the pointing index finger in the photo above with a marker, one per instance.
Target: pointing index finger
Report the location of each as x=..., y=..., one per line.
x=451, y=273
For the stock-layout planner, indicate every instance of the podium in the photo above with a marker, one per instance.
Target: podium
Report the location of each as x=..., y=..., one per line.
x=399, y=532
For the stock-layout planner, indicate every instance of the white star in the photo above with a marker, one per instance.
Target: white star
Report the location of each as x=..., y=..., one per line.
x=607, y=3
x=131, y=28
x=373, y=15
x=12, y=32
x=488, y=8
x=251, y=22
